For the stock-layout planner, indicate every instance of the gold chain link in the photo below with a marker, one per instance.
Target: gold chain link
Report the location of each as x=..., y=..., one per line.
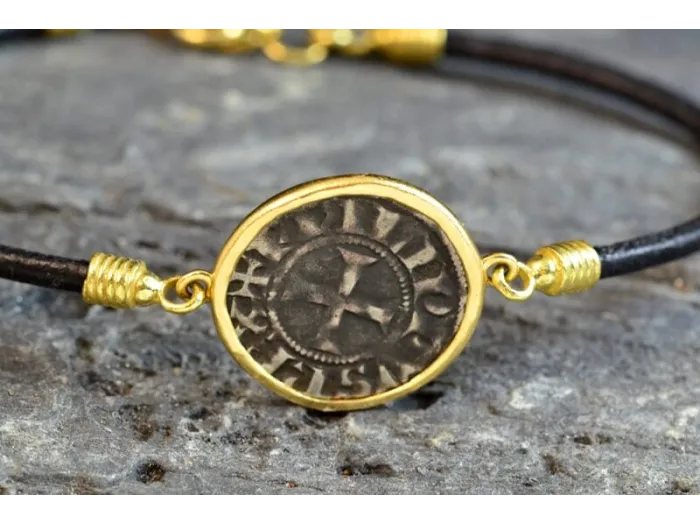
x=269, y=41
x=502, y=269
x=192, y=288
x=308, y=55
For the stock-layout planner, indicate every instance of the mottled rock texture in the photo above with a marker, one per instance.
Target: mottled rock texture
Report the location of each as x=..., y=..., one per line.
x=114, y=142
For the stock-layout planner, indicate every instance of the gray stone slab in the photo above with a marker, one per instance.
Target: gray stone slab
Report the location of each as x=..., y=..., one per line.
x=116, y=143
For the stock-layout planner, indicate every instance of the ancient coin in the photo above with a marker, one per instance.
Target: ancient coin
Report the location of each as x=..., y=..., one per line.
x=348, y=296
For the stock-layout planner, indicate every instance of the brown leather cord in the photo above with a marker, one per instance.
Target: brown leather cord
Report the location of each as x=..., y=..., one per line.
x=40, y=269
x=640, y=252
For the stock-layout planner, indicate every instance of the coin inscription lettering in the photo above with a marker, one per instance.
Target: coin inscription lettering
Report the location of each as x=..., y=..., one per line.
x=347, y=297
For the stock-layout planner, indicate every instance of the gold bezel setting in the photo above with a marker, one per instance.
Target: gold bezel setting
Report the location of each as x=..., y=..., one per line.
x=338, y=186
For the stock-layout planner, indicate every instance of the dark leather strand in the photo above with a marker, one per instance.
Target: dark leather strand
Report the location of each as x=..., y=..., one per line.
x=8, y=35
x=44, y=270
x=634, y=254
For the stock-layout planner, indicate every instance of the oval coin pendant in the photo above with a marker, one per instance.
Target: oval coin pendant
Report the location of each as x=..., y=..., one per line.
x=347, y=292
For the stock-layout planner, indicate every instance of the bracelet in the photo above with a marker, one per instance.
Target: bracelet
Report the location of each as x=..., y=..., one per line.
x=351, y=291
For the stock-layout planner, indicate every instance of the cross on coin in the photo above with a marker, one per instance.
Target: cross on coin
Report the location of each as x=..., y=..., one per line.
x=341, y=299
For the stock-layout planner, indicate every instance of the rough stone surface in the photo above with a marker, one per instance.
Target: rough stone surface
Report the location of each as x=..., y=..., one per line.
x=116, y=143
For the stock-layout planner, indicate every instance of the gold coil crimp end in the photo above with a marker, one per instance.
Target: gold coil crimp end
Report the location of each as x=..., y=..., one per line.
x=121, y=282
x=565, y=268
x=557, y=269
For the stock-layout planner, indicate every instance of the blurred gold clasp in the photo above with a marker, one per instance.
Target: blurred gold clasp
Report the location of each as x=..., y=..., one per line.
x=408, y=46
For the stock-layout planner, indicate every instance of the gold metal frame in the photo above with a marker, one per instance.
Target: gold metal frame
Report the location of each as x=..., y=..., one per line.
x=346, y=185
